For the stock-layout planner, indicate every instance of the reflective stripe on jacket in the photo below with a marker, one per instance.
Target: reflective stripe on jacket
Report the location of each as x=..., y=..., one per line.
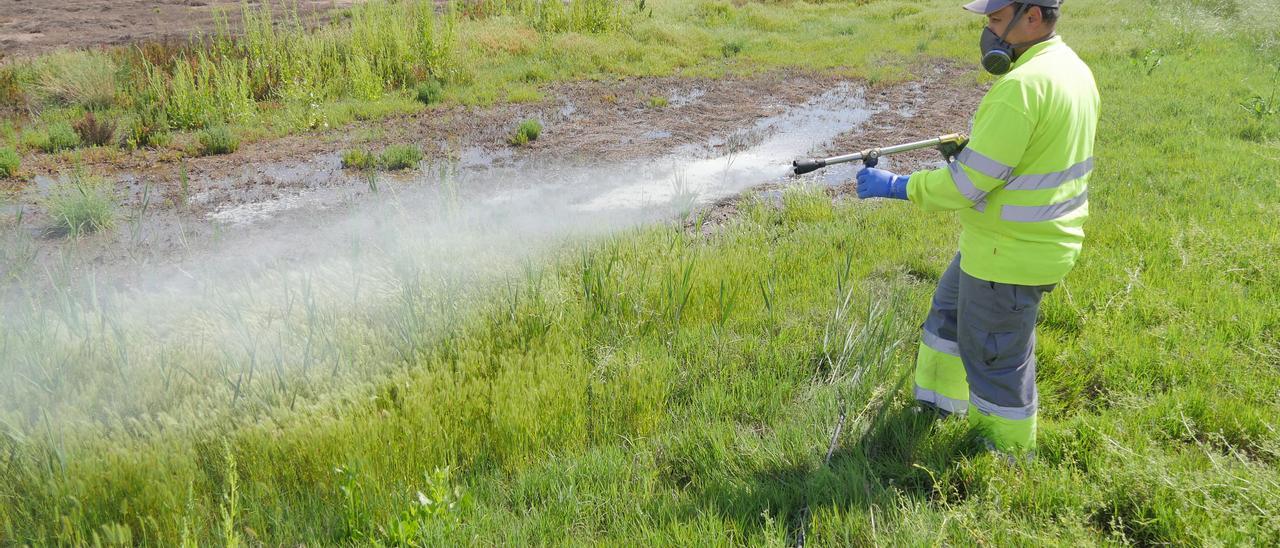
x=1021, y=185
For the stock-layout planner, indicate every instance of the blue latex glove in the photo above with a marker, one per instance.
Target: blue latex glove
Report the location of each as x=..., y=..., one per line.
x=878, y=183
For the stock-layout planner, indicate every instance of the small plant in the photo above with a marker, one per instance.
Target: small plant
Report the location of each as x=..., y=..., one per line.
x=430, y=92
x=358, y=158
x=528, y=131
x=80, y=204
x=731, y=48
x=658, y=101
x=218, y=140
x=95, y=131
x=1262, y=112
x=9, y=161
x=439, y=508
x=396, y=157
x=57, y=137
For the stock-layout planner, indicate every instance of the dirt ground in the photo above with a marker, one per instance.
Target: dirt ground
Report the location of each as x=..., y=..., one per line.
x=29, y=27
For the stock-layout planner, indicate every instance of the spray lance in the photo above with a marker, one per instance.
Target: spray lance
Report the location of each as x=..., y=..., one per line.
x=948, y=145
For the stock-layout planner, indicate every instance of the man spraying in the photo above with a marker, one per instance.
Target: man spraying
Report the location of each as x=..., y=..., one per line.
x=1020, y=189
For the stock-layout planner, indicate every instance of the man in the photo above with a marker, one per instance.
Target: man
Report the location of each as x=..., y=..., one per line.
x=1020, y=190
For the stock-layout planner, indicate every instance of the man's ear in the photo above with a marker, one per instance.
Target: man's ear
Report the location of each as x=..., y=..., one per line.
x=1035, y=16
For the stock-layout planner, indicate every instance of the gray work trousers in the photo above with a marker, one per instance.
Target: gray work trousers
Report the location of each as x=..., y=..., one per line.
x=991, y=326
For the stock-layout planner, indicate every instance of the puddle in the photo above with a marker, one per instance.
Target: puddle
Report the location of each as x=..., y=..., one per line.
x=698, y=173
x=684, y=98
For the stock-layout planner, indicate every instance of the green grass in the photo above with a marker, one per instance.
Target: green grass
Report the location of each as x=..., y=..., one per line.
x=9, y=162
x=666, y=387
x=527, y=132
x=398, y=157
x=80, y=204
x=218, y=140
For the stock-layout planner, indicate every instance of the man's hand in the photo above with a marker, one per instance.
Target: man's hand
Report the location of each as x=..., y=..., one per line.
x=878, y=183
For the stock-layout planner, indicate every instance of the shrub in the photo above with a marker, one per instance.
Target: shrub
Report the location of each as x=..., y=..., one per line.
x=358, y=158
x=85, y=78
x=150, y=128
x=9, y=161
x=397, y=157
x=80, y=204
x=528, y=131
x=94, y=131
x=56, y=137
x=430, y=92
x=218, y=140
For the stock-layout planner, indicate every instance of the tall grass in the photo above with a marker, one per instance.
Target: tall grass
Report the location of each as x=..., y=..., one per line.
x=9, y=162
x=77, y=78
x=584, y=16
x=81, y=204
x=380, y=47
x=663, y=387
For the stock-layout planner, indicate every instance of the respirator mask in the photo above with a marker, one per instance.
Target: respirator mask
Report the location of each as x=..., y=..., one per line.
x=998, y=54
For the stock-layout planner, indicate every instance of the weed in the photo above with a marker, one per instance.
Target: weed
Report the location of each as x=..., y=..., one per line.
x=80, y=204
x=397, y=157
x=430, y=92
x=95, y=131
x=527, y=132
x=435, y=510
x=12, y=97
x=9, y=162
x=139, y=133
x=658, y=101
x=1262, y=111
x=218, y=140
x=78, y=78
x=229, y=507
x=1150, y=60
x=732, y=48
x=57, y=137
x=359, y=158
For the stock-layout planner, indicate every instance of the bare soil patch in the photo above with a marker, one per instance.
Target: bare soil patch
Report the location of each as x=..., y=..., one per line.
x=30, y=27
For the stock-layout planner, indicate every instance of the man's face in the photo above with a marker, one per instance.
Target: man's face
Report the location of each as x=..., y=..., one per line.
x=1030, y=27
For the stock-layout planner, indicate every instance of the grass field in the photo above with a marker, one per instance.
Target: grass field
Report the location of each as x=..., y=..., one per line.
x=666, y=386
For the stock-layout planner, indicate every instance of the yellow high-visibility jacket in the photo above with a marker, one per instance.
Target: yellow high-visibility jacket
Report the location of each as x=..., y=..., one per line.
x=1021, y=185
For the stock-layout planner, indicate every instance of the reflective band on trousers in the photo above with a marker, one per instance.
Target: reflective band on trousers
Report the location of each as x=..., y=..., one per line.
x=1011, y=413
x=1032, y=214
x=940, y=344
x=950, y=405
x=1051, y=180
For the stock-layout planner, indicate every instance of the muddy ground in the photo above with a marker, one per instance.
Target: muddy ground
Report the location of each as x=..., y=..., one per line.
x=30, y=27
x=173, y=209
